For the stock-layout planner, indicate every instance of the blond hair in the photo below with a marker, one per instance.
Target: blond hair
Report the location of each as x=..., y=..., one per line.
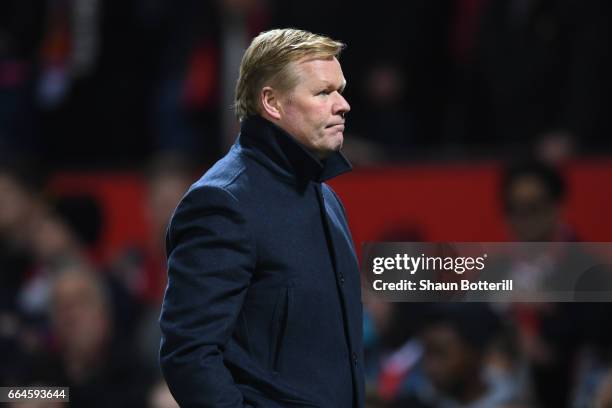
x=267, y=62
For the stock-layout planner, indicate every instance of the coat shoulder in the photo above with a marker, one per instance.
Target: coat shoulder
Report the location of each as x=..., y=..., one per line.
x=229, y=174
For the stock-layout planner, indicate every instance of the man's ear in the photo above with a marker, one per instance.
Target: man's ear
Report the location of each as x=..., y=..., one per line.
x=270, y=102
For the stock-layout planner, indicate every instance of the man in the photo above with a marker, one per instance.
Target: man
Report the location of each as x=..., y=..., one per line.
x=90, y=357
x=457, y=341
x=263, y=305
x=533, y=195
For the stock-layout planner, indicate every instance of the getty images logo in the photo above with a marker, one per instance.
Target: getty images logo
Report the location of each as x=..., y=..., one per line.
x=412, y=264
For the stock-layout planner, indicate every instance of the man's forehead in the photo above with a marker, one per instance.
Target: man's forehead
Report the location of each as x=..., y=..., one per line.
x=325, y=70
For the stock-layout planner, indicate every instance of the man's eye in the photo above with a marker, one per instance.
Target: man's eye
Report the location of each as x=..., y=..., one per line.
x=326, y=92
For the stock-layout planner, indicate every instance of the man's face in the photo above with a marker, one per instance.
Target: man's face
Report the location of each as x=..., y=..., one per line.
x=532, y=214
x=80, y=317
x=313, y=111
x=448, y=362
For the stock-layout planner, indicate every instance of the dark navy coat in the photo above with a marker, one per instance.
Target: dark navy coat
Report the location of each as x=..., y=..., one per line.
x=263, y=305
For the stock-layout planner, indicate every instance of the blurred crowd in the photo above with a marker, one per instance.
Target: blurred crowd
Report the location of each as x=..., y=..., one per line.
x=88, y=82
x=70, y=318
x=498, y=355
x=98, y=84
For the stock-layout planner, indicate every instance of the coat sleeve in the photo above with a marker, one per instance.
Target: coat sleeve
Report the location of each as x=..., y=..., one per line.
x=210, y=262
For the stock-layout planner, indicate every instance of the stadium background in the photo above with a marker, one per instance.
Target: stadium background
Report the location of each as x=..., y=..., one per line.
x=109, y=110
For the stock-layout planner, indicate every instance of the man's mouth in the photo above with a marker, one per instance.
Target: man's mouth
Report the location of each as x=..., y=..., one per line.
x=335, y=124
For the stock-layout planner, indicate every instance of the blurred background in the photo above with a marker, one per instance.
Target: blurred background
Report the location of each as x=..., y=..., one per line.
x=472, y=120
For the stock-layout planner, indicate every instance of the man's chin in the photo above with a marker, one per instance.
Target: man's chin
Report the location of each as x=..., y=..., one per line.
x=331, y=150
x=340, y=142
x=333, y=145
x=336, y=140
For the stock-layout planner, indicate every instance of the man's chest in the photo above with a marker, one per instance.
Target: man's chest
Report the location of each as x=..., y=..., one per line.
x=301, y=240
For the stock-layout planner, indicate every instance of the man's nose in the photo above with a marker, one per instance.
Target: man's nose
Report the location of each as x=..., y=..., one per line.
x=341, y=106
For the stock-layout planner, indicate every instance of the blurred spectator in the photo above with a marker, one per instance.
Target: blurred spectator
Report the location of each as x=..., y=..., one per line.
x=560, y=341
x=100, y=370
x=457, y=340
x=533, y=194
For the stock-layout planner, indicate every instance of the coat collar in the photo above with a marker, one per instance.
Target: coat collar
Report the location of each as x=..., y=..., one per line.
x=283, y=154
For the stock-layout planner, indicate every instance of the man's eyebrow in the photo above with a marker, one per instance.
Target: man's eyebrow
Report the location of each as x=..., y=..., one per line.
x=331, y=85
